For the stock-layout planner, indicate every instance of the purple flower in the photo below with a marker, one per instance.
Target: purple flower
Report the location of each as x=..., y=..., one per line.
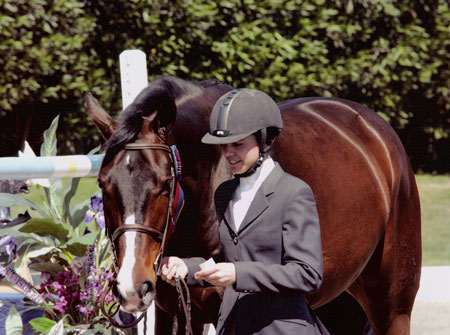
x=84, y=295
x=100, y=218
x=67, y=293
x=89, y=216
x=97, y=203
x=109, y=299
x=59, y=306
x=82, y=309
x=57, y=286
x=27, y=289
x=96, y=212
x=8, y=248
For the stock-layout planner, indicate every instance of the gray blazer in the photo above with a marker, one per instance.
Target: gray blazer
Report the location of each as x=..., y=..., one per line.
x=277, y=253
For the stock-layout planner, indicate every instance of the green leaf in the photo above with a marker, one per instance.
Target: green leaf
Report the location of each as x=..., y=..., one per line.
x=87, y=239
x=13, y=323
x=74, y=182
x=78, y=213
x=36, y=252
x=78, y=245
x=48, y=267
x=48, y=148
x=43, y=325
x=10, y=200
x=54, y=200
x=46, y=227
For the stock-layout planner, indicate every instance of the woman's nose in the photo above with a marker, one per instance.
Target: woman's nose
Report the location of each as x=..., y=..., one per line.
x=226, y=150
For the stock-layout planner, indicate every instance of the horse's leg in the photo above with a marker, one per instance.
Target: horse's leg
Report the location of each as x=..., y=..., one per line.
x=387, y=287
x=204, y=309
x=343, y=316
x=163, y=322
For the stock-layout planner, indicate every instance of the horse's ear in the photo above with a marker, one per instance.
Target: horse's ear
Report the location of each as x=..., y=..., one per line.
x=166, y=114
x=102, y=120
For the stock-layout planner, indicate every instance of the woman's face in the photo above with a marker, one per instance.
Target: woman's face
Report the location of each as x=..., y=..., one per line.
x=241, y=155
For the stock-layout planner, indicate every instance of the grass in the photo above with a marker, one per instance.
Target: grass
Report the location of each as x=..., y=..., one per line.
x=434, y=192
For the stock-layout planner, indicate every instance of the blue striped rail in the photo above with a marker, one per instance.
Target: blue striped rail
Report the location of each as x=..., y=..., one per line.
x=20, y=168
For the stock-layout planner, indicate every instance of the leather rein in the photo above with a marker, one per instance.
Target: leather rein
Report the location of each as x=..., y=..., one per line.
x=160, y=237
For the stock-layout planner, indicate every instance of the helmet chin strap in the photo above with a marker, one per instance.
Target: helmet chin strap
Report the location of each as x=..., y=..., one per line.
x=253, y=169
x=263, y=149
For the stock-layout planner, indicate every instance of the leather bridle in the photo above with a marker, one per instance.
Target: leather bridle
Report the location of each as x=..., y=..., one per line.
x=158, y=236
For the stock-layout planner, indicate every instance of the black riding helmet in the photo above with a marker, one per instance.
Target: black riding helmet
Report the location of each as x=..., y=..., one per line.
x=241, y=113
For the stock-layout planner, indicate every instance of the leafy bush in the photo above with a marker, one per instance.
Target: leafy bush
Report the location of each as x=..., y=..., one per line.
x=68, y=247
x=389, y=55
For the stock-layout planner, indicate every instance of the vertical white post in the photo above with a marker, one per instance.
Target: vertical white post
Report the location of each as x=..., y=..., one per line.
x=133, y=75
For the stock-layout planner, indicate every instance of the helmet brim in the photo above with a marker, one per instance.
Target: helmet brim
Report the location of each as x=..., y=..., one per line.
x=211, y=139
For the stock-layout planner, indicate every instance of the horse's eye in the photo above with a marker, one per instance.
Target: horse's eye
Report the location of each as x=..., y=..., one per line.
x=100, y=183
x=165, y=189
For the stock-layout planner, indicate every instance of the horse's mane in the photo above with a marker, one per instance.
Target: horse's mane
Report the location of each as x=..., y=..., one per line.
x=130, y=122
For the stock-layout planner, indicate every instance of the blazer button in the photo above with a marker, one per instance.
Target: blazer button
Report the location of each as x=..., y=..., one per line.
x=235, y=240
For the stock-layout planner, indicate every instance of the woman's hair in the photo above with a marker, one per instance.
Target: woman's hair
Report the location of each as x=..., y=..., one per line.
x=272, y=133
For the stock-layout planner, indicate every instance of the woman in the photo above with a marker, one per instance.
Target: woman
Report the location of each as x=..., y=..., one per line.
x=269, y=229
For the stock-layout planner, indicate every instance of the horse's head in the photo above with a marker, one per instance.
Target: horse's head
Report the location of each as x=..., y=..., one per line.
x=138, y=184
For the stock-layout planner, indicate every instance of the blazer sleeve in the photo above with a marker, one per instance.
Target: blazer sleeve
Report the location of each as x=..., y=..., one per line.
x=301, y=268
x=193, y=265
x=221, y=199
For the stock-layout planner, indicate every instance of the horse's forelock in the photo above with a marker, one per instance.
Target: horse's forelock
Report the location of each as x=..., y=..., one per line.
x=130, y=122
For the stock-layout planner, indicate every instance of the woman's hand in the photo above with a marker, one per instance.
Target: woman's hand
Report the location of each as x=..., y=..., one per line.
x=173, y=267
x=220, y=274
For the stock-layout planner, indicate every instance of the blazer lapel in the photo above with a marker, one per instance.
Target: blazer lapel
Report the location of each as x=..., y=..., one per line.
x=229, y=217
x=261, y=202
x=224, y=204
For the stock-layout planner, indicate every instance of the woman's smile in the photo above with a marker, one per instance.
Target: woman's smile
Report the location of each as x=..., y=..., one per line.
x=241, y=155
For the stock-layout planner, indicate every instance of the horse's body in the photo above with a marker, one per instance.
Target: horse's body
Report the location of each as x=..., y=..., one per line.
x=364, y=187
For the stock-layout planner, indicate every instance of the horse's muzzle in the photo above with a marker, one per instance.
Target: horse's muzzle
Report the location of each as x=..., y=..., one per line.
x=133, y=301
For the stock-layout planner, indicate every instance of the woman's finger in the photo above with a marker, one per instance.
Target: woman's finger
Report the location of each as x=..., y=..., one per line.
x=203, y=274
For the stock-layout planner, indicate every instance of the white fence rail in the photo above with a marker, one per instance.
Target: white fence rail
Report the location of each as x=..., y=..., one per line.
x=19, y=168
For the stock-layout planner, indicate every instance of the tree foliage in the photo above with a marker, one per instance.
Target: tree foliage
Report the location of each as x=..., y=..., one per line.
x=390, y=56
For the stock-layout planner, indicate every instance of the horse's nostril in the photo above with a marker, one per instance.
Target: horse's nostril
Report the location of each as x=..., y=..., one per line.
x=146, y=287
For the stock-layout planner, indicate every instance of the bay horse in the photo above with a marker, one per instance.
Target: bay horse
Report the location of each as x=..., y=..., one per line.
x=364, y=186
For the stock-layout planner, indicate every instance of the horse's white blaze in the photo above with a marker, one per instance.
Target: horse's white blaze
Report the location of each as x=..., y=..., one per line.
x=127, y=159
x=369, y=161
x=125, y=276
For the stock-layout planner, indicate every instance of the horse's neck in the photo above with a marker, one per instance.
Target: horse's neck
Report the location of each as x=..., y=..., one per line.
x=204, y=170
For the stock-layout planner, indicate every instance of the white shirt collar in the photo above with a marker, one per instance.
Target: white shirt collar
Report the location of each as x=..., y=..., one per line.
x=259, y=176
x=247, y=188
